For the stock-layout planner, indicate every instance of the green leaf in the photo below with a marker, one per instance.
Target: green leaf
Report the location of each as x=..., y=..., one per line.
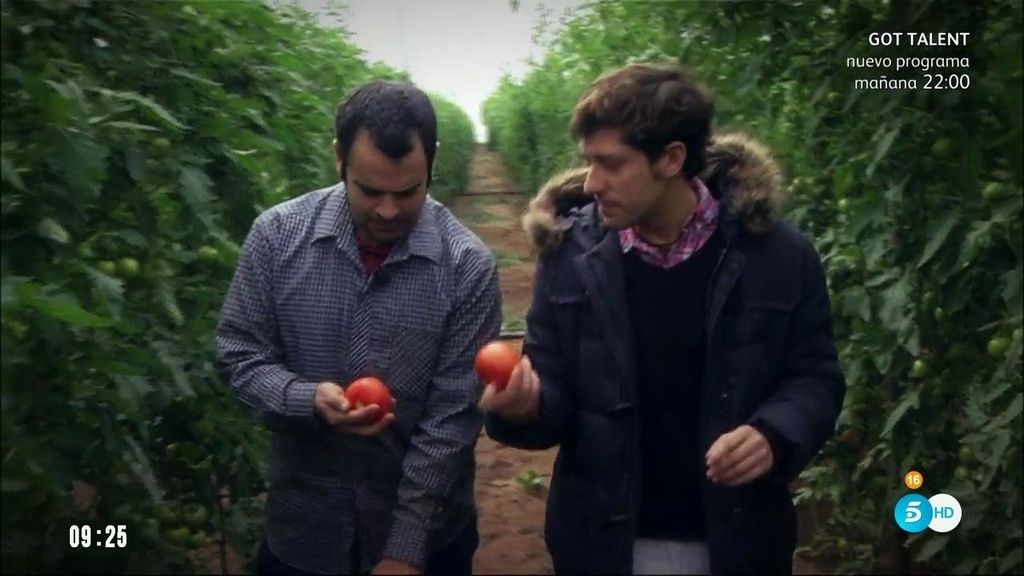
x=170, y=304
x=10, y=175
x=132, y=237
x=158, y=110
x=140, y=466
x=894, y=303
x=183, y=73
x=1008, y=415
x=909, y=400
x=996, y=392
x=933, y=546
x=857, y=302
x=1012, y=291
x=883, y=148
x=1011, y=561
x=132, y=126
x=938, y=232
x=49, y=228
x=9, y=485
x=111, y=288
x=132, y=390
x=174, y=365
x=195, y=189
x=62, y=308
x=994, y=457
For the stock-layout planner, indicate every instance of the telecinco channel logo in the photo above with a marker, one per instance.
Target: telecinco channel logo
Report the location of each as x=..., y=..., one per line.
x=914, y=512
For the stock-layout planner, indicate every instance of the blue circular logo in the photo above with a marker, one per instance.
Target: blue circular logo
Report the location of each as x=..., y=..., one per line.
x=913, y=513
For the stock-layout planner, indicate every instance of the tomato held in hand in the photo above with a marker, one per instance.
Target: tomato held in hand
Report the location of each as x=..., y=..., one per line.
x=495, y=362
x=366, y=391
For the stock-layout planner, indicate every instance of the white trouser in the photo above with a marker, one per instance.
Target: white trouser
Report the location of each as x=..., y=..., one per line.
x=669, y=557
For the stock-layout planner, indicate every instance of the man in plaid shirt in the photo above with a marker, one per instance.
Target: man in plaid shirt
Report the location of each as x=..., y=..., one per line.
x=370, y=277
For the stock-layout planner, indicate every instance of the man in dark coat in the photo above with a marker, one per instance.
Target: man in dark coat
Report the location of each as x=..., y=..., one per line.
x=679, y=346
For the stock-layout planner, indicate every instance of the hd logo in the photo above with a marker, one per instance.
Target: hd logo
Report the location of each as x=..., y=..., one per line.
x=941, y=513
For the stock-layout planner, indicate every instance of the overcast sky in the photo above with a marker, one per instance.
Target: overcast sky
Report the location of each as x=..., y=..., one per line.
x=457, y=48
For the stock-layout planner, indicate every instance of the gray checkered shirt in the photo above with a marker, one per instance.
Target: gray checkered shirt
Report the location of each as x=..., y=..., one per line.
x=302, y=310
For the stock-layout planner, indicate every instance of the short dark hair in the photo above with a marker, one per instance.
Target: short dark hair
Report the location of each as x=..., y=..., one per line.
x=654, y=105
x=391, y=111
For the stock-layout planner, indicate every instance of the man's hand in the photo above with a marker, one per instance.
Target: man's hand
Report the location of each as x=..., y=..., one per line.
x=519, y=401
x=387, y=566
x=739, y=457
x=332, y=406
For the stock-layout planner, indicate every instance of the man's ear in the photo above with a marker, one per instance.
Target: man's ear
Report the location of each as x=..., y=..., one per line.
x=673, y=157
x=339, y=160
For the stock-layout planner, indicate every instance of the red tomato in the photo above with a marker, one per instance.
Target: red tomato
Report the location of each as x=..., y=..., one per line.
x=495, y=362
x=366, y=391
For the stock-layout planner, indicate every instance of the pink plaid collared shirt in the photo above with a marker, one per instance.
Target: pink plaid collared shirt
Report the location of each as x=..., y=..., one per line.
x=695, y=234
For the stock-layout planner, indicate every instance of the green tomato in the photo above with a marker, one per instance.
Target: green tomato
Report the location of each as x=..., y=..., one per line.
x=942, y=147
x=209, y=254
x=178, y=536
x=966, y=454
x=166, y=516
x=107, y=267
x=998, y=346
x=85, y=251
x=939, y=314
x=961, y=473
x=128, y=267
x=197, y=517
x=928, y=300
x=994, y=191
x=19, y=329
x=163, y=146
x=197, y=540
x=919, y=369
x=843, y=204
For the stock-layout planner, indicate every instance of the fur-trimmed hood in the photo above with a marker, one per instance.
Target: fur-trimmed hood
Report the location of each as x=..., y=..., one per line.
x=740, y=171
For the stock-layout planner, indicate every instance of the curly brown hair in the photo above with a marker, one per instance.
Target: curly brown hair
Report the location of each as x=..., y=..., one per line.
x=654, y=104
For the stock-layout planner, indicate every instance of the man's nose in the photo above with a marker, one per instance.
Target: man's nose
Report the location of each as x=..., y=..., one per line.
x=593, y=184
x=387, y=209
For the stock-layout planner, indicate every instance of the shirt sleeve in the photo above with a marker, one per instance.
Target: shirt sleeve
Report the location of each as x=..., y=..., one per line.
x=443, y=442
x=248, y=349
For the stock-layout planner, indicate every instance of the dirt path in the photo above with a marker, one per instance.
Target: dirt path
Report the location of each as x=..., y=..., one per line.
x=511, y=516
x=492, y=207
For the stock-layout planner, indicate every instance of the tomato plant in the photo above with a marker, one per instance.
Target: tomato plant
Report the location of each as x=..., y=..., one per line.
x=139, y=142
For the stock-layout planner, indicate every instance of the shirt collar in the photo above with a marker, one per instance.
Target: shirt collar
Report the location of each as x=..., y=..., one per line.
x=706, y=213
x=335, y=221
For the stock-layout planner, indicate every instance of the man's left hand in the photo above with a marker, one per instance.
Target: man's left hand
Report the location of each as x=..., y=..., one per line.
x=387, y=566
x=739, y=457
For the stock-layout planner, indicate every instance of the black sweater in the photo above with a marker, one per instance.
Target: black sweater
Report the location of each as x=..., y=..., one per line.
x=667, y=308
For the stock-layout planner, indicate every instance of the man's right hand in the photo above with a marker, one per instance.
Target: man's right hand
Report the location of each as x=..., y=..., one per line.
x=519, y=402
x=334, y=409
